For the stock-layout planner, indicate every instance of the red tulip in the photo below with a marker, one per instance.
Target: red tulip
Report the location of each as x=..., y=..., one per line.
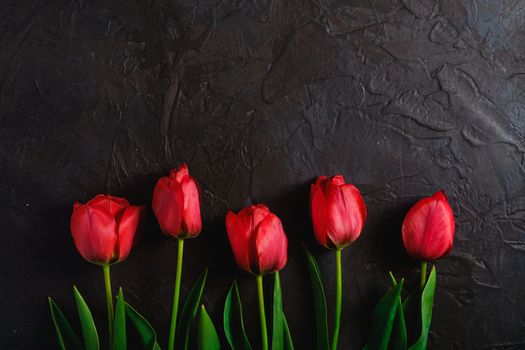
x=338, y=211
x=428, y=228
x=257, y=239
x=104, y=228
x=176, y=204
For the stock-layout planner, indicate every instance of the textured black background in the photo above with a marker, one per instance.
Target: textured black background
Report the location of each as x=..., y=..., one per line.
x=403, y=97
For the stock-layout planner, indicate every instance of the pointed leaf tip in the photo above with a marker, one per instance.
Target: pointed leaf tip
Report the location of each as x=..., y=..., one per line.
x=233, y=320
x=119, y=327
x=66, y=336
x=189, y=311
x=383, y=318
x=89, y=330
x=207, y=338
x=147, y=335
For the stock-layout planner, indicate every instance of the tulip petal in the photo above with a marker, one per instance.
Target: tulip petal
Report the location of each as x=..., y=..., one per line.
x=337, y=180
x=168, y=204
x=161, y=190
x=103, y=233
x=252, y=215
x=192, y=221
x=127, y=228
x=80, y=231
x=321, y=180
x=238, y=237
x=318, y=211
x=260, y=212
x=115, y=205
x=94, y=234
x=180, y=174
x=271, y=244
x=428, y=228
x=346, y=214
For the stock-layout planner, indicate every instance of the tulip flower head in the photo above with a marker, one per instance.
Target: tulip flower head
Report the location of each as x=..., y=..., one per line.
x=338, y=211
x=428, y=228
x=176, y=204
x=257, y=239
x=105, y=228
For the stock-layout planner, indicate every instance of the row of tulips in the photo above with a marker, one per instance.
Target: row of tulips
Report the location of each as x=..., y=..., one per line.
x=105, y=229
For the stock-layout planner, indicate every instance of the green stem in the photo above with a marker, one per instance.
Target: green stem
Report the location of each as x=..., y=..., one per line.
x=176, y=294
x=262, y=314
x=109, y=302
x=392, y=278
x=423, y=276
x=339, y=298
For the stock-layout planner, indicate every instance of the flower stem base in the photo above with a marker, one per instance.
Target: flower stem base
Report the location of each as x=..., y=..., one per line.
x=423, y=276
x=262, y=313
x=109, y=302
x=176, y=294
x=338, y=297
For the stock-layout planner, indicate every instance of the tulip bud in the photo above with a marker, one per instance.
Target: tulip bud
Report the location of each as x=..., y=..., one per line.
x=257, y=239
x=428, y=228
x=338, y=211
x=105, y=228
x=176, y=204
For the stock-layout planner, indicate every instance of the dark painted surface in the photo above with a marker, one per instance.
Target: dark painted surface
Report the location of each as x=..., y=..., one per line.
x=260, y=97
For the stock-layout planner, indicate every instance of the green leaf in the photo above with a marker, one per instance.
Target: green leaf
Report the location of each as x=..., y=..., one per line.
x=147, y=335
x=233, y=321
x=207, y=338
x=189, y=311
x=399, y=332
x=89, y=331
x=67, y=338
x=288, y=343
x=277, y=329
x=383, y=318
x=427, y=300
x=398, y=340
x=119, y=328
x=319, y=303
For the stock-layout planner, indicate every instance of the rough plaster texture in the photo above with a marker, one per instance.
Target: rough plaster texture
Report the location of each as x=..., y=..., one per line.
x=403, y=97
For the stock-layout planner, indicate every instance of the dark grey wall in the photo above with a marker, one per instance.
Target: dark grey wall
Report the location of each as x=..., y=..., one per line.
x=260, y=97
